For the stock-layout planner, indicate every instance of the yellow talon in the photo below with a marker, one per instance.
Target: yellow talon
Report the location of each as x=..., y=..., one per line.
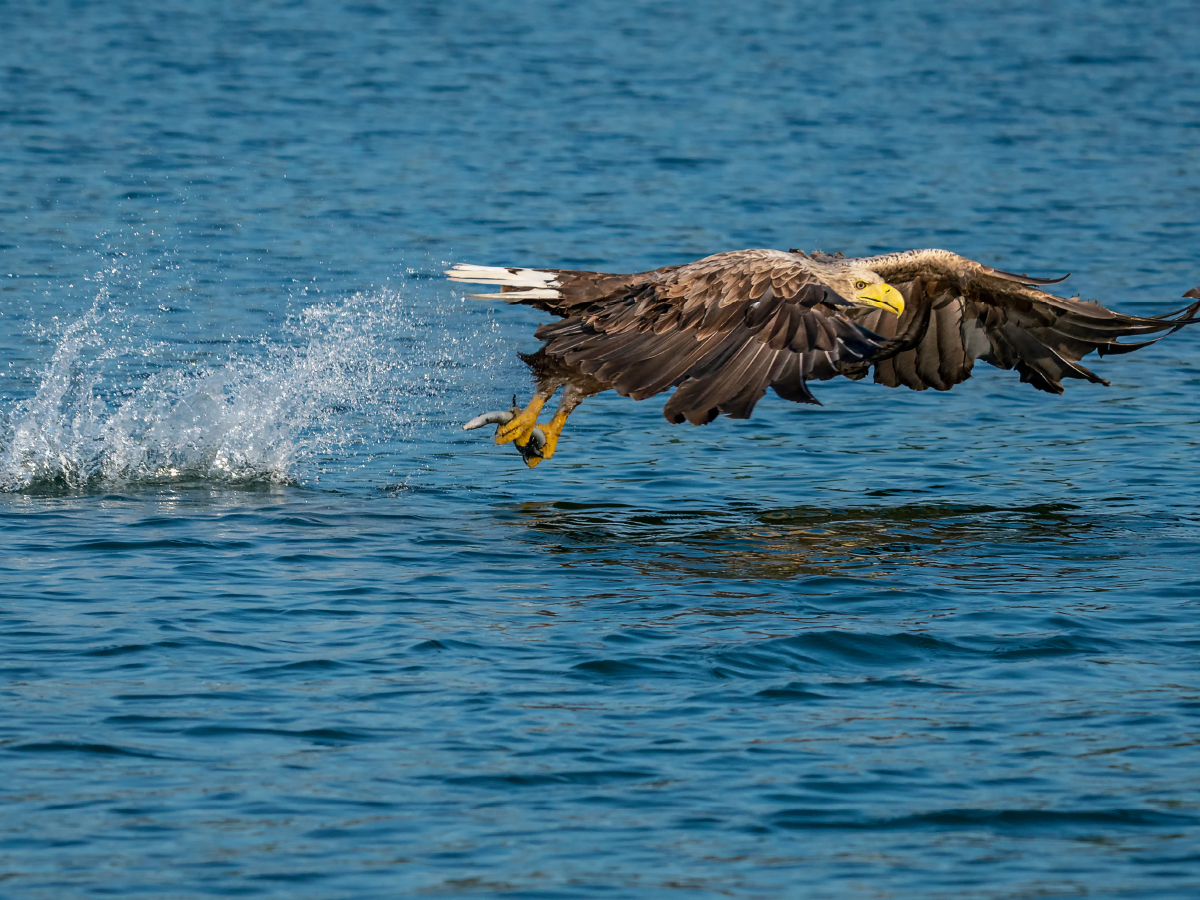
x=552, y=431
x=520, y=426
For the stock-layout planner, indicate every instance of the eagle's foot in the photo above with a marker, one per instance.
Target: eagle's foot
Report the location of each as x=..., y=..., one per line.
x=531, y=451
x=548, y=435
x=520, y=427
x=530, y=448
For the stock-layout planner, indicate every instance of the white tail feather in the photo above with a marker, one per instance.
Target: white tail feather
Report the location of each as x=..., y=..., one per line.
x=525, y=278
x=514, y=296
x=536, y=284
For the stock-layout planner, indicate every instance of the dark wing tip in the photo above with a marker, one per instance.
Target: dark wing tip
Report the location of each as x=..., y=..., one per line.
x=1193, y=293
x=1025, y=279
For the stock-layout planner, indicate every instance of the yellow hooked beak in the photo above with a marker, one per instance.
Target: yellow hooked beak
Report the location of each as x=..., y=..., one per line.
x=882, y=295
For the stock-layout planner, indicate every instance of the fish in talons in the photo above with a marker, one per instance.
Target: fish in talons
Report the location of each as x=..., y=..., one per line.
x=534, y=442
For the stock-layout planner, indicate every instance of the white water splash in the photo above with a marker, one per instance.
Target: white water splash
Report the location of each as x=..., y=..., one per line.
x=245, y=419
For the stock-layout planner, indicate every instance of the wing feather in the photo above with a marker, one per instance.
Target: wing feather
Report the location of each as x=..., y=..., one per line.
x=927, y=359
x=1001, y=318
x=720, y=330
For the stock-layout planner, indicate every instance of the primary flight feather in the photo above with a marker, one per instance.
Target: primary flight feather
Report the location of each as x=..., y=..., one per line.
x=723, y=329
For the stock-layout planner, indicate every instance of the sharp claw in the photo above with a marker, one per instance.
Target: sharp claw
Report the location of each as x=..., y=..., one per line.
x=522, y=423
x=495, y=417
x=531, y=450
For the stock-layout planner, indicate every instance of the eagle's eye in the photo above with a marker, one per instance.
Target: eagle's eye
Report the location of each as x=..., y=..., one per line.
x=859, y=285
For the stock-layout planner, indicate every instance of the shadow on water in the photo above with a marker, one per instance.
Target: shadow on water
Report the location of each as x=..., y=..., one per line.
x=741, y=542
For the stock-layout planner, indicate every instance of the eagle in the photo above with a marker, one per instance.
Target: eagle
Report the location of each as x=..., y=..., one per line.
x=723, y=329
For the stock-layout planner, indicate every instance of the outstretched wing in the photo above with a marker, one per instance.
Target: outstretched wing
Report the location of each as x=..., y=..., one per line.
x=722, y=330
x=958, y=311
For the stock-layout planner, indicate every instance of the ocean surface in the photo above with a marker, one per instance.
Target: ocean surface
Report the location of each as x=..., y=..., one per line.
x=273, y=626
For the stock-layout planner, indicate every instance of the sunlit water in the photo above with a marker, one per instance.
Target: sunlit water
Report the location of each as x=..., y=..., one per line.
x=274, y=626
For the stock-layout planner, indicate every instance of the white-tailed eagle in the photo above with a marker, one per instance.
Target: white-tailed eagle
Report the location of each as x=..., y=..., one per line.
x=723, y=329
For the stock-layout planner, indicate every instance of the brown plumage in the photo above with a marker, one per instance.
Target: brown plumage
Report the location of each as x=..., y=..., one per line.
x=723, y=329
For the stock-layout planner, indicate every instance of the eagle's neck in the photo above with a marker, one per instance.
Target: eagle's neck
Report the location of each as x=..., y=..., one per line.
x=911, y=263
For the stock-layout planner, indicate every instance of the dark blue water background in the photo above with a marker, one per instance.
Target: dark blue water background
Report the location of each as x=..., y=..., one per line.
x=273, y=626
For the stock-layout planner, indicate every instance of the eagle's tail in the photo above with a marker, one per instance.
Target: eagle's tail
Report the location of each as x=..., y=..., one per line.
x=516, y=285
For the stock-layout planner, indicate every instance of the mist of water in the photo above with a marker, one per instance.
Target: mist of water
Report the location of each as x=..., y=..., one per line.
x=262, y=413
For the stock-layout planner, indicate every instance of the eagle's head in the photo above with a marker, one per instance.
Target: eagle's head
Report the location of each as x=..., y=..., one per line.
x=868, y=289
x=856, y=283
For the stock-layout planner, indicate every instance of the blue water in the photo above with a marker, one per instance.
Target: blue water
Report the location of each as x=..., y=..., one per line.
x=274, y=626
